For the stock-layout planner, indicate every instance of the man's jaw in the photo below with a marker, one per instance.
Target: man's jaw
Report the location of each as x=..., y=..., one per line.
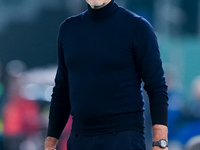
x=97, y=5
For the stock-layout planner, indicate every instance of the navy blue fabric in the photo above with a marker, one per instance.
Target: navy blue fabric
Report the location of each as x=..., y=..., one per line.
x=126, y=140
x=103, y=56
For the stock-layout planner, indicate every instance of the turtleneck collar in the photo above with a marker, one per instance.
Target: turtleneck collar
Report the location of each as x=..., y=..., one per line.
x=102, y=13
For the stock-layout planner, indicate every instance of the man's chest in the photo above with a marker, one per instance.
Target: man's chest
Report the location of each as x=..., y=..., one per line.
x=100, y=46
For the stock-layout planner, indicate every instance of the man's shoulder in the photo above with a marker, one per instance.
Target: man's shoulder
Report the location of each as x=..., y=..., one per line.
x=128, y=13
x=73, y=20
x=137, y=19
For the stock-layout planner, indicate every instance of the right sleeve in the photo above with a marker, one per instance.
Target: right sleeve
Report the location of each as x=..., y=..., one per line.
x=149, y=66
x=60, y=104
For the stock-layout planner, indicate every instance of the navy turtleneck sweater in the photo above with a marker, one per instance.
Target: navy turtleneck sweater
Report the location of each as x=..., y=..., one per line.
x=103, y=56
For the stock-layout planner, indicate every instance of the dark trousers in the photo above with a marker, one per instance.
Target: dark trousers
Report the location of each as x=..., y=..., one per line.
x=125, y=140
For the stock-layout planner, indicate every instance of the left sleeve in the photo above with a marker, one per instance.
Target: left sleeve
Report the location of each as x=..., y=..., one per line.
x=149, y=67
x=60, y=104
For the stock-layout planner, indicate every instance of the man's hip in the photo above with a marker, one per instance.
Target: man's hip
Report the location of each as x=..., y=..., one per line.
x=126, y=140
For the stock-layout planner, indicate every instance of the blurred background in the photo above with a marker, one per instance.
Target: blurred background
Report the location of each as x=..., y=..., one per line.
x=28, y=38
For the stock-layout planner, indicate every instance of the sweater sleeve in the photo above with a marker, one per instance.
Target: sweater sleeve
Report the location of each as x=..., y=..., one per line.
x=60, y=104
x=149, y=67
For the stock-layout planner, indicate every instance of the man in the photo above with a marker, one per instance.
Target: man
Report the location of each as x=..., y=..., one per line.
x=103, y=55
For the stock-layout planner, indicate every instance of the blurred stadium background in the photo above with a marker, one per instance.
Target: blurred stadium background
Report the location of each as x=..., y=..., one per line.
x=28, y=36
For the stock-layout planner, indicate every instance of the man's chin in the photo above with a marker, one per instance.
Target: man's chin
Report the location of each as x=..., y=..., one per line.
x=97, y=5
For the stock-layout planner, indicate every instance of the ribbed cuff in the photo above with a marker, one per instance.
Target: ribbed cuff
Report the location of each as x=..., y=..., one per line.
x=159, y=114
x=55, y=128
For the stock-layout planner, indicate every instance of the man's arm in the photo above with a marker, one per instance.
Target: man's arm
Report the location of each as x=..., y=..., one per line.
x=159, y=132
x=50, y=143
x=149, y=66
x=60, y=105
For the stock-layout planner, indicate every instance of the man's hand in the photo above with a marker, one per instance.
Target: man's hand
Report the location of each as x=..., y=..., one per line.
x=50, y=143
x=159, y=132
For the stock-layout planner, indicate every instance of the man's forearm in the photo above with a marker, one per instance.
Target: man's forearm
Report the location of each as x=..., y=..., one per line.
x=160, y=132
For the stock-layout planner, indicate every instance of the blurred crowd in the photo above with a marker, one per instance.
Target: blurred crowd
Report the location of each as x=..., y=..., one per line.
x=184, y=117
x=25, y=107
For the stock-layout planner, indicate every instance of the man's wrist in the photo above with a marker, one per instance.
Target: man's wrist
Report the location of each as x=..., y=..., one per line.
x=160, y=132
x=50, y=143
